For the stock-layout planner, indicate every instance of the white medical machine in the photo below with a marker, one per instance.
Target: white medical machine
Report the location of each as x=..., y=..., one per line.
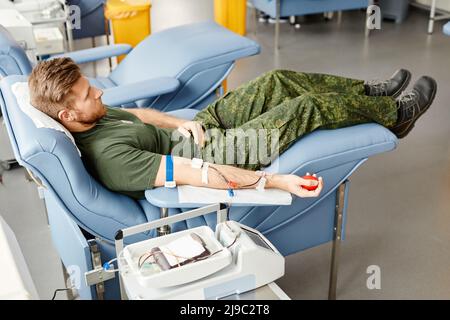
x=196, y=263
x=45, y=19
x=19, y=27
x=48, y=41
x=43, y=6
x=15, y=278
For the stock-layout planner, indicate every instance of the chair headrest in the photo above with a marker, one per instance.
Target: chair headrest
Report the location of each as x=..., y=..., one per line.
x=41, y=120
x=29, y=138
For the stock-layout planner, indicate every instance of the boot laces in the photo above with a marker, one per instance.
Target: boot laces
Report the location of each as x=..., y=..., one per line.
x=407, y=103
x=378, y=87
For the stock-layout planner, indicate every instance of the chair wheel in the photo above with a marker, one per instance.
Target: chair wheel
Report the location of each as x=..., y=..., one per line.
x=4, y=165
x=292, y=20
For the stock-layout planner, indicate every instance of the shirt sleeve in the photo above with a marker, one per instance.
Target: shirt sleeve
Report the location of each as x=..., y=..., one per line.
x=124, y=168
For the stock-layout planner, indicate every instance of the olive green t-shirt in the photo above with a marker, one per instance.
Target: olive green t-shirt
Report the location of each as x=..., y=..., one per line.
x=123, y=152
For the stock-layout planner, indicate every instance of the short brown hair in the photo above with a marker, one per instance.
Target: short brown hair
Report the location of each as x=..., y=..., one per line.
x=50, y=83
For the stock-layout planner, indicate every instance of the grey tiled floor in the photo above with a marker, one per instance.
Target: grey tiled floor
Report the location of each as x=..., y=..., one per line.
x=399, y=211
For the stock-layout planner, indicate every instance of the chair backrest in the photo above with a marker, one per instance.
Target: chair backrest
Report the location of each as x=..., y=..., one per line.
x=53, y=158
x=13, y=59
x=199, y=55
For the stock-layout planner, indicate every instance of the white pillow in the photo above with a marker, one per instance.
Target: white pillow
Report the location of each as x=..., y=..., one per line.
x=40, y=119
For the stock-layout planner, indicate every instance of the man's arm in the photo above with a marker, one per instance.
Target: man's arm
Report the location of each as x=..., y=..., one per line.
x=163, y=120
x=185, y=174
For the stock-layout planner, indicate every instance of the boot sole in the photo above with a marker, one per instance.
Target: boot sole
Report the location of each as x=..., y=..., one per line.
x=411, y=126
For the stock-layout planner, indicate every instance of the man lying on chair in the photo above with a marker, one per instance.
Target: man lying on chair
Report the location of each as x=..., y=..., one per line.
x=126, y=148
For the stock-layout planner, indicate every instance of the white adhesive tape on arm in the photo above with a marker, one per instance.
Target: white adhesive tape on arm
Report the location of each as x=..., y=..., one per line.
x=196, y=163
x=205, y=173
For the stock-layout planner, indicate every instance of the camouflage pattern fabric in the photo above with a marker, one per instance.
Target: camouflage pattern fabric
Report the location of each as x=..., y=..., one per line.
x=291, y=104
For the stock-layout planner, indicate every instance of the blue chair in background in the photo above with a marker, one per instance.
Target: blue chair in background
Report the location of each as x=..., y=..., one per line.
x=446, y=28
x=286, y=8
x=181, y=67
x=92, y=16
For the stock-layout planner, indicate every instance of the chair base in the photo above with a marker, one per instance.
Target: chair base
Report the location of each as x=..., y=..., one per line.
x=342, y=191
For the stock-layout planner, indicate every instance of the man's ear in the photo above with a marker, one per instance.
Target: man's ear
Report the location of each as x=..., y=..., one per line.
x=65, y=116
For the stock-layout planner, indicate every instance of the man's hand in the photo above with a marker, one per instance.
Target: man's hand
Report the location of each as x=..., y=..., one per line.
x=293, y=183
x=194, y=128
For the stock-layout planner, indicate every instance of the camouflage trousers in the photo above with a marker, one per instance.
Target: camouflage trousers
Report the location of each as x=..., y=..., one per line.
x=288, y=105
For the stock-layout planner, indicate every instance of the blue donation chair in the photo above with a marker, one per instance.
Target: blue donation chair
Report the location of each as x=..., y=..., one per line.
x=84, y=216
x=286, y=8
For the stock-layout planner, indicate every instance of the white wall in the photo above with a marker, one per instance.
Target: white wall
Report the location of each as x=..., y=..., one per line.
x=170, y=13
x=440, y=4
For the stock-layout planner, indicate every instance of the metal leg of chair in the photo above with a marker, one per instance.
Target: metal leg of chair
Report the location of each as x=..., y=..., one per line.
x=328, y=15
x=339, y=17
x=97, y=264
x=367, y=32
x=368, y=16
x=94, y=62
x=277, y=26
x=255, y=18
x=67, y=282
x=432, y=16
x=164, y=229
x=107, y=33
x=68, y=27
x=337, y=236
x=366, y=26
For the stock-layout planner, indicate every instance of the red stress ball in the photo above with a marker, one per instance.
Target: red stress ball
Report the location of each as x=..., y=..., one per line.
x=310, y=188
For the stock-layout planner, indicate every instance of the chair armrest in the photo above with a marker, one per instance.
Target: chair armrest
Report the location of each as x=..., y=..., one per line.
x=326, y=149
x=162, y=197
x=94, y=54
x=117, y=96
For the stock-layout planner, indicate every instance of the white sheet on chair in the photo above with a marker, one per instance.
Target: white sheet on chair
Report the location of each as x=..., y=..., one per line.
x=40, y=119
x=190, y=194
